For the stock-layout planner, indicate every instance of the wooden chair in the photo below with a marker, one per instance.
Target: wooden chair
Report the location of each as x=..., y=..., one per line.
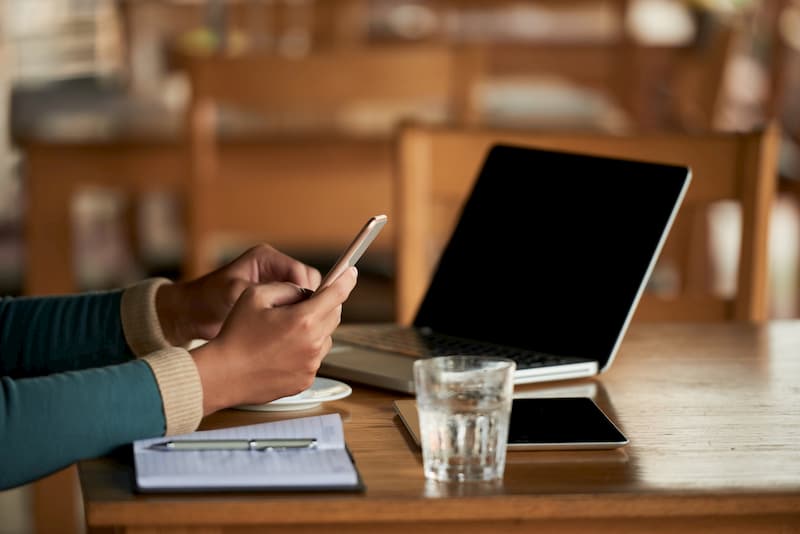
x=699, y=91
x=436, y=167
x=320, y=163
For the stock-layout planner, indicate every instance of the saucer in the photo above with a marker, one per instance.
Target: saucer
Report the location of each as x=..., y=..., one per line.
x=322, y=390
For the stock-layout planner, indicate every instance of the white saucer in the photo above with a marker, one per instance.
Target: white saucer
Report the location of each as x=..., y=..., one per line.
x=322, y=390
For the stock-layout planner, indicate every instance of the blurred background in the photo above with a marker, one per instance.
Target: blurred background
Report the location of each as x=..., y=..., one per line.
x=98, y=122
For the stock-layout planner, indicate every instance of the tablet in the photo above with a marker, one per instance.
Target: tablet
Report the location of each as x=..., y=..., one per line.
x=560, y=423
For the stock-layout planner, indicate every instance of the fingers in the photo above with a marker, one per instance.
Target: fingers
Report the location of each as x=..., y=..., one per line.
x=275, y=266
x=306, y=276
x=276, y=294
x=236, y=287
x=323, y=311
x=339, y=290
x=330, y=321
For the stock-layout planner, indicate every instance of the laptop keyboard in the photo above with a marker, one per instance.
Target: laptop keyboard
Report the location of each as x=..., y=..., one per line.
x=424, y=343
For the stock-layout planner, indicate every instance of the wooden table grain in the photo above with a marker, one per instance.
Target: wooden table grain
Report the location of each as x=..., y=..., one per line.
x=712, y=412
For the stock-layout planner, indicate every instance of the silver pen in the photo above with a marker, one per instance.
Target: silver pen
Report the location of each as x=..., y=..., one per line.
x=234, y=444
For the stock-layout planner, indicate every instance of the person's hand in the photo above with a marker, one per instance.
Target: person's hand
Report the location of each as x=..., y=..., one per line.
x=271, y=344
x=197, y=308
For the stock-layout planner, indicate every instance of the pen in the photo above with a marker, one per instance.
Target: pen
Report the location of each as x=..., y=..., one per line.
x=234, y=444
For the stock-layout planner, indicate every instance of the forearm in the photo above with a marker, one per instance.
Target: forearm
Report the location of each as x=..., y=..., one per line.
x=50, y=422
x=55, y=334
x=47, y=423
x=42, y=335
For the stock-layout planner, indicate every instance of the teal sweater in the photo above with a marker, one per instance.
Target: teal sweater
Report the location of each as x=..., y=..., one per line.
x=70, y=387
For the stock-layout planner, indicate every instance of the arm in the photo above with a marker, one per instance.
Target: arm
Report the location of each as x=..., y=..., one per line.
x=41, y=335
x=49, y=422
x=268, y=342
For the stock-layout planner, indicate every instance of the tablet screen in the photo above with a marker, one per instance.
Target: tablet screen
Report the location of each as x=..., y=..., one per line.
x=561, y=423
x=544, y=424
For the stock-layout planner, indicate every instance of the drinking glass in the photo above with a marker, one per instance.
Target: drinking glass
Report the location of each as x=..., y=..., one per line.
x=464, y=405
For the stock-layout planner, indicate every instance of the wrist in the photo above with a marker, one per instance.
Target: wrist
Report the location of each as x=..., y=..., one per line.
x=172, y=312
x=214, y=378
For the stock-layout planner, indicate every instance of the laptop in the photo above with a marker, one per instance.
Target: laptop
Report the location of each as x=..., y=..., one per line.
x=550, y=255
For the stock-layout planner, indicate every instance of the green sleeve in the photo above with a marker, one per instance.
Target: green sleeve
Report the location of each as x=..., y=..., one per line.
x=42, y=335
x=50, y=422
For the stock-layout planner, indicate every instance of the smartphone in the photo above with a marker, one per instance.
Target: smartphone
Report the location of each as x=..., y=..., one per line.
x=557, y=423
x=355, y=249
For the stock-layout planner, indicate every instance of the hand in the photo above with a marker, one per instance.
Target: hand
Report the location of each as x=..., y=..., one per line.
x=196, y=309
x=271, y=344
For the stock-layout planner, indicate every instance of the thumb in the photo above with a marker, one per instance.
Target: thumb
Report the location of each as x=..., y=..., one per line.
x=274, y=294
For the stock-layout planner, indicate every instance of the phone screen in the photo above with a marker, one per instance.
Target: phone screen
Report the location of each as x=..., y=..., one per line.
x=561, y=423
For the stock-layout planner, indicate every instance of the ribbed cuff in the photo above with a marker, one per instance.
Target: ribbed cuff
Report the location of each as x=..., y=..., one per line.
x=180, y=387
x=140, y=319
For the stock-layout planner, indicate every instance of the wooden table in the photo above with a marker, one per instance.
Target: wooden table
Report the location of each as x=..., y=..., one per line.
x=712, y=413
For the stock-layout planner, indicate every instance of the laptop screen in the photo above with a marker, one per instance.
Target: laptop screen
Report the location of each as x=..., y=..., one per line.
x=551, y=250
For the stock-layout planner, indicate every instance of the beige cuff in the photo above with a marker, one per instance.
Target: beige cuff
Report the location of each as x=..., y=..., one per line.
x=139, y=317
x=180, y=387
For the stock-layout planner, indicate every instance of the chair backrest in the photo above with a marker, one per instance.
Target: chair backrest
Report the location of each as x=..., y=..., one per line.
x=699, y=88
x=437, y=166
x=320, y=161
